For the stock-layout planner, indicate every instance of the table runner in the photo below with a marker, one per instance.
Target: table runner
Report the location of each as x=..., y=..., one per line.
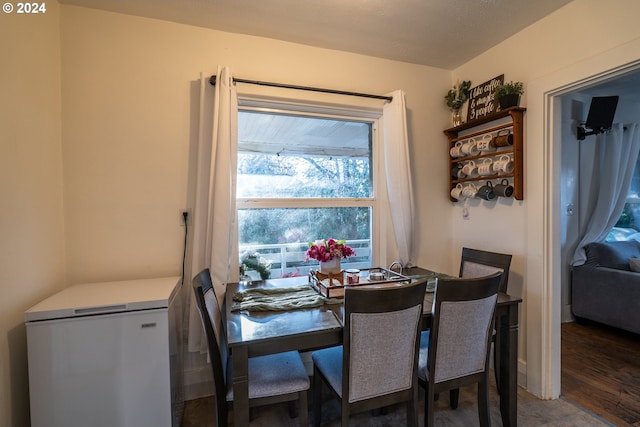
x=280, y=299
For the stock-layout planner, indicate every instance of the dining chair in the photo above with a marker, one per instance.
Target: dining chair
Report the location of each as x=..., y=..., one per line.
x=478, y=263
x=272, y=378
x=376, y=365
x=455, y=351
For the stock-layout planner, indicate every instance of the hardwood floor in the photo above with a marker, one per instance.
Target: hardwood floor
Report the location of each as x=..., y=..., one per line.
x=601, y=371
x=199, y=413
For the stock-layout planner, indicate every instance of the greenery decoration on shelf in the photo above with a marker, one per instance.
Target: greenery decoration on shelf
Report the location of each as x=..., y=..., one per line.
x=515, y=88
x=458, y=95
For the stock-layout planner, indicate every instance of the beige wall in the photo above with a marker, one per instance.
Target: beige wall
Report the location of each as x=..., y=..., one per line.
x=31, y=214
x=584, y=38
x=129, y=117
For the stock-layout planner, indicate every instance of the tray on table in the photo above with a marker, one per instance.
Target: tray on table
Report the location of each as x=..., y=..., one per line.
x=332, y=285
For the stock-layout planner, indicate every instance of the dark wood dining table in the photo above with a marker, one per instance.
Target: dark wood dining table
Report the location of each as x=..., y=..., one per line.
x=251, y=334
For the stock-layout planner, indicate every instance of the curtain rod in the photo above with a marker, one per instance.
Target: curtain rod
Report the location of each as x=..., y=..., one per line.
x=213, y=79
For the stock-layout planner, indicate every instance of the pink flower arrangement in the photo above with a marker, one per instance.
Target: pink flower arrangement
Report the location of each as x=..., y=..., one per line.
x=326, y=250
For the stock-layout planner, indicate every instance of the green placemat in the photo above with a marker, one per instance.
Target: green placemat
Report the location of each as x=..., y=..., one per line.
x=280, y=299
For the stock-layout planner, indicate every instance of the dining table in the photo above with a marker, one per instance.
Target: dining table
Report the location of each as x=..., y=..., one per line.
x=257, y=332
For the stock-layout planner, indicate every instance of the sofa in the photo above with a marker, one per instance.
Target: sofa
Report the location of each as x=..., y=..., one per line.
x=606, y=288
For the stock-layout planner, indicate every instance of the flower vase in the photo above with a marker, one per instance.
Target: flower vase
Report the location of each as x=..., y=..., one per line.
x=456, y=118
x=330, y=267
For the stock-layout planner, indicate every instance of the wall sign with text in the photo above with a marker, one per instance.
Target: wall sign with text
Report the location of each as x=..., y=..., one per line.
x=481, y=102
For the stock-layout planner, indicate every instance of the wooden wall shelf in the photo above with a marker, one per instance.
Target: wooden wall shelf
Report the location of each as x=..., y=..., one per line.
x=515, y=151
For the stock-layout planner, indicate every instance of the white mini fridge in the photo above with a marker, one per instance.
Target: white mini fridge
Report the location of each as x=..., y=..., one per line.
x=107, y=355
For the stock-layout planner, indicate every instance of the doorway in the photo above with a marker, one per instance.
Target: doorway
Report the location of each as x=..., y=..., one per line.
x=543, y=312
x=585, y=345
x=576, y=156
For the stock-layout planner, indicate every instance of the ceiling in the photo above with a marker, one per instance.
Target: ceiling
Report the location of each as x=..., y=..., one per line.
x=439, y=33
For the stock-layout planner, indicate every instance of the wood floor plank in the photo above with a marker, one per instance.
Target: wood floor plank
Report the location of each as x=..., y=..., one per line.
x=601, y=371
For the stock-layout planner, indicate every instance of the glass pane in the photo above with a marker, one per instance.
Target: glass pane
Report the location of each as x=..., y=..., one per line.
x=283, y=156
x=630, y=217
x=629, y=222
x=634, y=185
x=279, y=238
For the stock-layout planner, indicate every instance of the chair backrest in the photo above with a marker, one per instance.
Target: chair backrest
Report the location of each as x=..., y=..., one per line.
x=461, y=327
x=381, y=339
x=479, y=263
x=212, y=322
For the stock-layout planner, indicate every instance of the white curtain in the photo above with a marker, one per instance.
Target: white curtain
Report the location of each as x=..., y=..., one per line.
x=617, y=153
x=214, y=220
x=214, y=215
x=398, y=174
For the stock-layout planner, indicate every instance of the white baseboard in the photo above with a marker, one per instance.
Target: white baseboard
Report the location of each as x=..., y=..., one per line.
x=567, y=315
x=522, y=373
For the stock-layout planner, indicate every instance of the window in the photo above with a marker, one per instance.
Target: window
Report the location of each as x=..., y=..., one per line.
x=628, y=225
x=303, y=176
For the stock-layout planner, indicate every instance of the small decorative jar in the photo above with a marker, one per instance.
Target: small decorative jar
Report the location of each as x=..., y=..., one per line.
x=353, y=276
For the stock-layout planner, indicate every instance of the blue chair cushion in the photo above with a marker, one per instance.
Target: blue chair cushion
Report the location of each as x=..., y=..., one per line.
x=423, y=357
x=274, y=374
x=329, y=362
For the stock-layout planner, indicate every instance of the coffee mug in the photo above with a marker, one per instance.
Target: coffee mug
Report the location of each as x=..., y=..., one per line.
x=503, y=165
x=469, y=191
x=486, y=191
x=504, y=189
x=470, y=169
x=456, y=192
x=486, y=143
x=455, y=151
x=456, y=170
x=470, y=148
x=486, y=167
x=503, y=138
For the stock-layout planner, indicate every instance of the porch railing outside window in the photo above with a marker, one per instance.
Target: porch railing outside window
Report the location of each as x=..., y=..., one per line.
x=289, y=258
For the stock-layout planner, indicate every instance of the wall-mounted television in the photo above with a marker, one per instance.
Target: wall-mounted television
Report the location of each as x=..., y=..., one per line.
x=600, y=117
